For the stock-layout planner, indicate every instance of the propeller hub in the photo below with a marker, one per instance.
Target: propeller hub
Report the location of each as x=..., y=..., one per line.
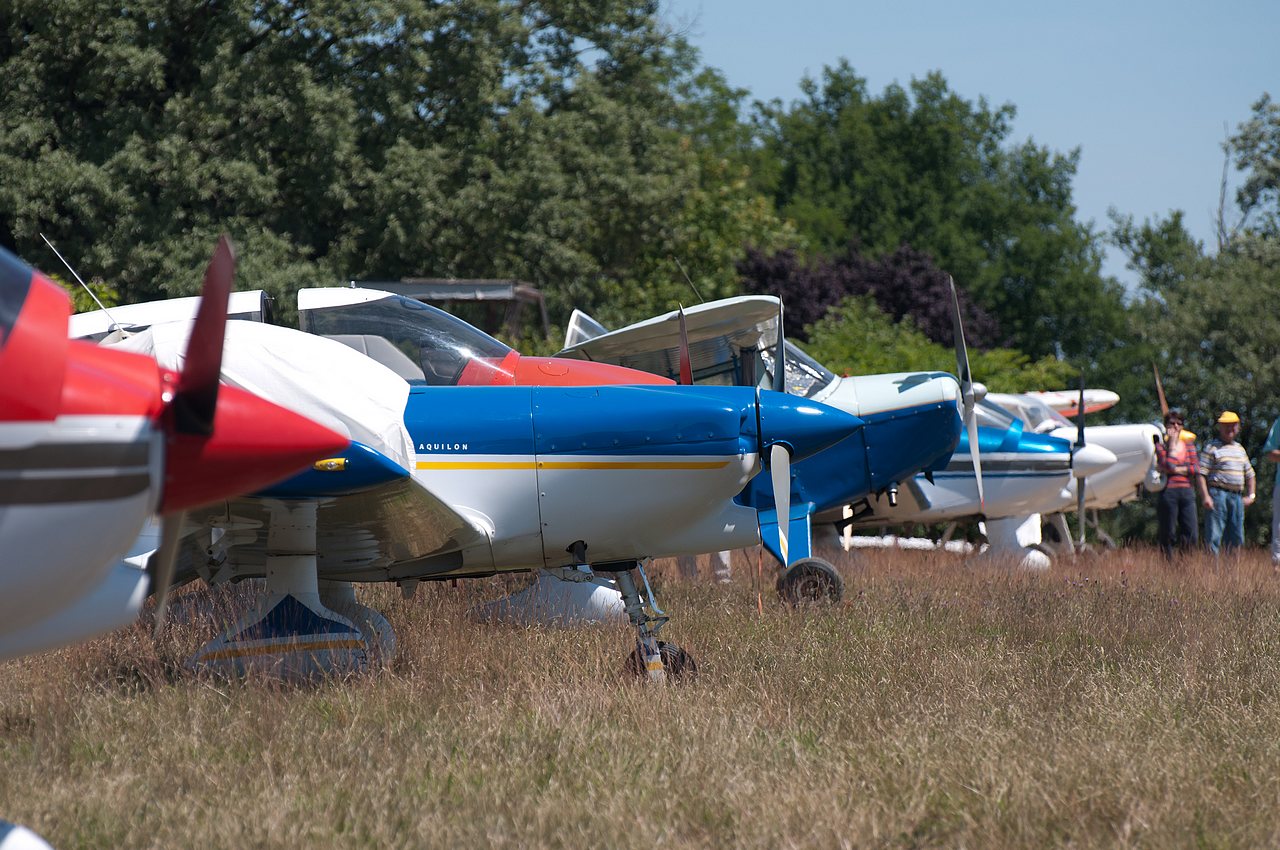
x=804, y=427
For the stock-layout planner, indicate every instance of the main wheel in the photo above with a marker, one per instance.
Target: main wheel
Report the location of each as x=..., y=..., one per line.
x=810, y=581
x=679, y=664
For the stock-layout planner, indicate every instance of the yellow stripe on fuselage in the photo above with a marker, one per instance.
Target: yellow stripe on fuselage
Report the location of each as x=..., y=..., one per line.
x=579, y=464
x=279, y=648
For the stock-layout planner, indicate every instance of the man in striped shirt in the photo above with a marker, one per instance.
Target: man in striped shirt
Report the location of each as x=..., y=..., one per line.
x=1227, y=485
x=1176, y=505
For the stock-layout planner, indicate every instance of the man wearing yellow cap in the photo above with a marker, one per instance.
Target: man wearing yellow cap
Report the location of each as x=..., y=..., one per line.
x=1227, y=485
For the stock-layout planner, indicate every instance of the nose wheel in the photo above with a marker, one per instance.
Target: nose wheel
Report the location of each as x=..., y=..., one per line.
x=677, y=663
x=809, y=582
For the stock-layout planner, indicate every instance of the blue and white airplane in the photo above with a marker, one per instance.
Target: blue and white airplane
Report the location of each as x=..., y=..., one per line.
x=913, y=419
x=910, y=420
x=454, y=482
x=1024, y=475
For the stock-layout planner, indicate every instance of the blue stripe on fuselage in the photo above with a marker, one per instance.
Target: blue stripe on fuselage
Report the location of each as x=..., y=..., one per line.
x=1014, y=439
x=636, y=420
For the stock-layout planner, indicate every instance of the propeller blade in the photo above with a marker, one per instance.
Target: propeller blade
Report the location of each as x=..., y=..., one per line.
x=1080, y=485
x=780, y=474
x=972, y=426
x=780, y=357
x=686, y=364
x=1080, y=509
x=966, y=389
x=162, y=564
x=1080, y=414
x=1164, y=405
x=196, y=396
x=962, y=352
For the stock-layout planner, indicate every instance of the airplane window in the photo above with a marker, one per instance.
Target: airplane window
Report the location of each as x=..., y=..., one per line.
x=441, y=345
x=805, y=376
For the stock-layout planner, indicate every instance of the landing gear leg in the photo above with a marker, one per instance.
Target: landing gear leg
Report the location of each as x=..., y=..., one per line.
x=652, y=659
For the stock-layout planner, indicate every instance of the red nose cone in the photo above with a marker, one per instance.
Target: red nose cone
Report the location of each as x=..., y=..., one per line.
x=254, y=444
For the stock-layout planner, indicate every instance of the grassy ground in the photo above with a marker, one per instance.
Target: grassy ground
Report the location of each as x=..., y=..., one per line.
x=1120, y=702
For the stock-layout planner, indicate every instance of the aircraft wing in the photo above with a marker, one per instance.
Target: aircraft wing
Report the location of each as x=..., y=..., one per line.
x=396, y=529
x=718, y=333
x=1067, y=402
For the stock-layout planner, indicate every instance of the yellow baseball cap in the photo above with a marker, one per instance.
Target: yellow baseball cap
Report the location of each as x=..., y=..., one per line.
x=1228, y=417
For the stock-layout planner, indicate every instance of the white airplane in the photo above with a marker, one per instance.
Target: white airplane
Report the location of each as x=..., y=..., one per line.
x=96, y=441
x=1036, y=470
x=1134, y=470
x=1023, y=475
x=445, y=482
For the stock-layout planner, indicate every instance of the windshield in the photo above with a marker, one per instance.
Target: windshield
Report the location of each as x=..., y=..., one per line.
x=993, y=415
x=805, y=376
x=1040, y=417
x=422, y=344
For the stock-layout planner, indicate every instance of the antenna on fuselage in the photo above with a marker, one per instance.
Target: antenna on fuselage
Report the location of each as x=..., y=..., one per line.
x=114, y=325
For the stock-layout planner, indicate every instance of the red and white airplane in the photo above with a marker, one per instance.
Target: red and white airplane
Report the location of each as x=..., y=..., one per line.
x=93, y=441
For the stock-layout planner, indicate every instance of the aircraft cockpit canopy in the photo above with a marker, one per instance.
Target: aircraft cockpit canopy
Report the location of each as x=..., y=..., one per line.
x=422, y=344
x=804, y=375
x=992, y=415
x=1039, y=417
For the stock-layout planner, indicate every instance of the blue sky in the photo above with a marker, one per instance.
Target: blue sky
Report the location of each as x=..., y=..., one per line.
x=1144, y=89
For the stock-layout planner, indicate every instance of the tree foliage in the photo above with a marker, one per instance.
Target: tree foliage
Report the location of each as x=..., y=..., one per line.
x=856, y=338
x=904, y=283
x=922, y=166
x=1256, y=150
x=546, y=141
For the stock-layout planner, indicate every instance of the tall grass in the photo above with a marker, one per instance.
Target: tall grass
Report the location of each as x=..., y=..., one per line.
x=1115, y=702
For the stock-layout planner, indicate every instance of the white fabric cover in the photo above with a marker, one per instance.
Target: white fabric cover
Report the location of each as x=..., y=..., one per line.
x=316, y=377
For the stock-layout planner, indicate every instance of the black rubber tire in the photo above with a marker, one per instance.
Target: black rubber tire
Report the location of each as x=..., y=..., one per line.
x=810, y=581
x=679, y=664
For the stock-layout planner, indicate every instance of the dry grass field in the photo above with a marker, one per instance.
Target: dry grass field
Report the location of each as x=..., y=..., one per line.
x=1116, y=702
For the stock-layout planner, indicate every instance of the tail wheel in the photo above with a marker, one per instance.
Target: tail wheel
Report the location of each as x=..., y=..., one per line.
x=811, y=581
x=679, y=664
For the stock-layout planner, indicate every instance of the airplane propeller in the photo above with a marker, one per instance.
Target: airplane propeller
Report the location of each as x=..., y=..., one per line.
x=195, y=400
x=966, y=389
x=1164, y=405
x=1080, y=488
x=780, y=478
x=780, y=357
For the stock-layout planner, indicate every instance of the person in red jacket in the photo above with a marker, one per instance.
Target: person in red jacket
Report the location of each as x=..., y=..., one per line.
x=1177, y=460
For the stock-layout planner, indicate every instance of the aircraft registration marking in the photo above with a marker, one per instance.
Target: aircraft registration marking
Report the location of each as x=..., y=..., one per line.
x=584, y=464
